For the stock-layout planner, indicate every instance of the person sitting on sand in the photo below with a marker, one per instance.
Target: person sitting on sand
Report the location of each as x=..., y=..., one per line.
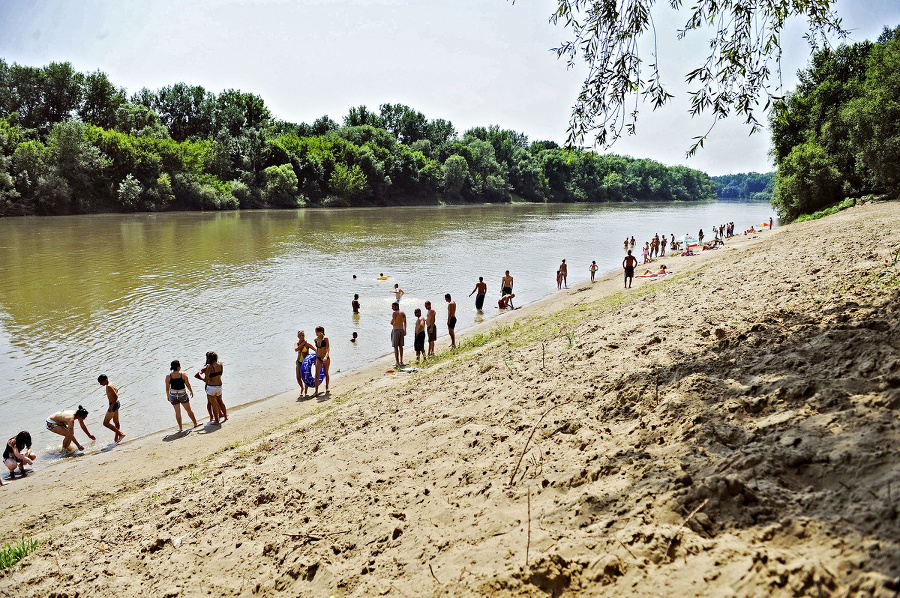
x=506, y=301
x=18, y=453
x=177, y=388
x=63, y=423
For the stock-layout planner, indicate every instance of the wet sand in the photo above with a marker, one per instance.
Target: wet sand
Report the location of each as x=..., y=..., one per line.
x=729, y=430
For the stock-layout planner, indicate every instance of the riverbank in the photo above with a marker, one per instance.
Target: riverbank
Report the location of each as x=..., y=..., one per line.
x=728, y=430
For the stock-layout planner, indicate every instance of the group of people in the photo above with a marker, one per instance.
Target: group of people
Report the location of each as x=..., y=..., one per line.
x=18, y=453
x=322, y=350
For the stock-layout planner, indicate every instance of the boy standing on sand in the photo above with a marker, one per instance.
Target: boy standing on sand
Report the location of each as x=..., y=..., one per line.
x=419, y=342
x=629, y=263
x=430, y=327
x=451, y=319
x=398, y=331
x=112, y=395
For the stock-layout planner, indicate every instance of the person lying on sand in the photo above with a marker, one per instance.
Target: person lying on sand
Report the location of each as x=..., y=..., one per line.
x=662, y=271
x=63, y=423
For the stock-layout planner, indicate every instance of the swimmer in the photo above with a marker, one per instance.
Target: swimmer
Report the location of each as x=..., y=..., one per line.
x=18, y=453
x=63, y=423
x=177, y=388
x=355, y=304
x=353, y=338
x=112, y=414
x=398, y=292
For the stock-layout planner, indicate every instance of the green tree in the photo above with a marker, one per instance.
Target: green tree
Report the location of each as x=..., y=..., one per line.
x=100, y=100
x=733, y=77
x=807, y=180
x=346, y=181
x=281, y=186
x=456, y=176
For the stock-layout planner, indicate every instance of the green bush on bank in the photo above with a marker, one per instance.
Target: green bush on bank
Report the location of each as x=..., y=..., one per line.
x=834, y=209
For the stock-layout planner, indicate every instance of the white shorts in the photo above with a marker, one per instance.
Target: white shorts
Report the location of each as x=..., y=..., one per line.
x=214, y=391
x=11, y=463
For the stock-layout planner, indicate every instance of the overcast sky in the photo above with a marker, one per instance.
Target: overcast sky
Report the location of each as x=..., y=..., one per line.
x=473, y=62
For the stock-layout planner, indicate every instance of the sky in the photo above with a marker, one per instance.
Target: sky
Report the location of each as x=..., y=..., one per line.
x=473, y=62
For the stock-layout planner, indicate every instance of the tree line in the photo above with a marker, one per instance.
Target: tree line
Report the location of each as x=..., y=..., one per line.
x=745, y=185
x=74, y=142
x=838, y=133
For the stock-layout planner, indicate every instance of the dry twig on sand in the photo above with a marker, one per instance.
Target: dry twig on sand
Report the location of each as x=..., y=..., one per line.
x=433, y=575
x=528, y=537
x=626, y=549
x=512, y=478
x=312, y=538
x=683, y=523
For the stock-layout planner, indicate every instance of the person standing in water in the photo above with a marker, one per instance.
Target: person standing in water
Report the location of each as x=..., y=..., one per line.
x=593, y=269
x=111, y=420
x=302, y=347
x=177, y=388
x=18, y=453
x=398, y=292
x=564, y=272
x=506, y=284
x=628, y=264
x=451, y=319
x=323, y=358
x=211, y=374
x=355, y=304
x=430, y=326
x=481, y=289
x=63, y=423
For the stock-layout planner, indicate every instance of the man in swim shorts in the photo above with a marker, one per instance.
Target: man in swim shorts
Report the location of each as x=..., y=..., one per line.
x=451, y=319
x=398, y=292
x=481, y=289
x=430, y=326
x=628, y=264
x=398, y=331
x=506, y=301
x=419, y=341
x=112, y=414
x=355, y=303
x=506, y=284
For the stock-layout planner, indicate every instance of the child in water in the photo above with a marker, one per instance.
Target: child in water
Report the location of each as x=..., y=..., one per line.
x=593, y=269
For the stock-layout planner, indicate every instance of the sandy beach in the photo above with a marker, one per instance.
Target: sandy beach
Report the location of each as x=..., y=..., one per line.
x=728, y=430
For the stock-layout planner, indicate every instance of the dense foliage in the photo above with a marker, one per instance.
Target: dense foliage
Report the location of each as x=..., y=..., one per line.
x=745, y=185
x=838, y=133
x=73, y=143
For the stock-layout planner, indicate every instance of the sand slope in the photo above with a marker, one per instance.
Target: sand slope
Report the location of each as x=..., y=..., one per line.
x=731, y=430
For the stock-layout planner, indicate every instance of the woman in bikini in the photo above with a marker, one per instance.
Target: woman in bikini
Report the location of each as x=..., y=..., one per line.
x=177, y=388
x=302, y=348
x=323, y=359
x=63, y=423
x=211, y=374
x=18, y=453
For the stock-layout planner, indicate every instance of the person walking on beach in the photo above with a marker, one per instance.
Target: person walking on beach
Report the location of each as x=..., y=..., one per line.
x=398, y=331
x=481, y=289
x=63, y=423
x=593, y=269
x=398, y=292
x=430, y=326
x=323, y=358
x=18, y=453
x=451, y=319
x=628, y=264
x=506, y=284
x=302, y=347
x=177, y=388
x=419, y=340
x=211, y=374
x=355, y=304
x=564, y=271
x=111, y=420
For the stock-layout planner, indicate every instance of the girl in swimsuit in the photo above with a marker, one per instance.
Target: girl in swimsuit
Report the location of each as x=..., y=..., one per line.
x=323, y=359
x=177, y=388
x=18, y=453
x=211, y=374
x=63, y=423
x=302, y=348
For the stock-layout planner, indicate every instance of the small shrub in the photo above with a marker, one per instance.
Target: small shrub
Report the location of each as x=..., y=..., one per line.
x=15, y=552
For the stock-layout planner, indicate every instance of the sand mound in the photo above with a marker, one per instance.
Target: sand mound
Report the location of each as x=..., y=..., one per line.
x=729, y=431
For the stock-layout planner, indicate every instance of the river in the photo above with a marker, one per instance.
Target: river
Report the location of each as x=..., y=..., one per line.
x=126, y=294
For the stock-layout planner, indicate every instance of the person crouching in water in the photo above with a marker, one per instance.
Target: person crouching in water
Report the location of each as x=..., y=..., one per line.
x=177, y=387
x=18, y=453
x=211, y=374
x=63, y=423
